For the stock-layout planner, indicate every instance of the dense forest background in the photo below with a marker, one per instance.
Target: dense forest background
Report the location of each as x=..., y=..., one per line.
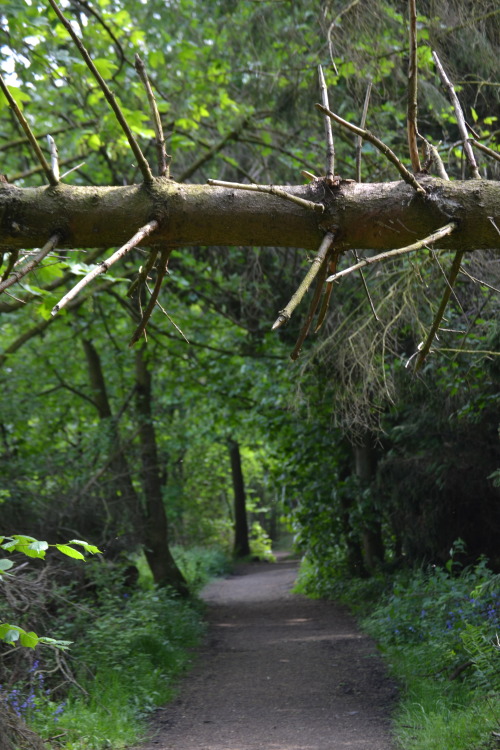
x=142, y=450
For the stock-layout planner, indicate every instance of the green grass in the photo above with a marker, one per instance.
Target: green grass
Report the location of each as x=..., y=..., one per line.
x=130, y=647
x=437, y=630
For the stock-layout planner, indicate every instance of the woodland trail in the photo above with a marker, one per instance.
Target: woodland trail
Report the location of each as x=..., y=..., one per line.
x=278, y=671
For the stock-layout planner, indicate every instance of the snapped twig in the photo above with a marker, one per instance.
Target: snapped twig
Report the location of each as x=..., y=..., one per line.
x=320, y=282
x=54, y=157
x=29, y=133
x=31, y=264
x=412, y=107
x=272, y=190
x=110, y=98
x=330, y=145
x=471, y=159
x=388, y=153
x=162, y=270
x=434, y=237
x=285, y=314
x=451, y=278
x=163, y=158
x=332, y=258
x=359, y=139
x=140, y=235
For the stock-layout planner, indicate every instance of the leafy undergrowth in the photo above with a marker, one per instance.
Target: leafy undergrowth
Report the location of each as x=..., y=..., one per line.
x=130, y=644
x=438, y=630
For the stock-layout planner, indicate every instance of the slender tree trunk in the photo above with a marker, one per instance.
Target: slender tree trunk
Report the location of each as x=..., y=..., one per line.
x=241, y=542
x=129, y=503
x=162, y=564
x=365, y=458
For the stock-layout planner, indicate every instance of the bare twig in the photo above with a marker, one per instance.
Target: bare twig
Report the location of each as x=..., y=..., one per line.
x=452, y=276
x=365, y=287
x=143, y=272
x=141, y=160
x=333, y=260
x=460, y=118
x=140, y=235
x=312, y=309
x=412, y=108
x=163, y=158
x=478, y=281
x=169, y=318
x=162, y=270
x=30, y=265
x=486, y=150
x=54, y=157
x=436, y=158
x=359, y=139
x=29, y=133
x=332, y=26
x=272, y=190
x=492, y=220
x=285, y=314
x=330, y=146
x=434, y=237
x=388, y=153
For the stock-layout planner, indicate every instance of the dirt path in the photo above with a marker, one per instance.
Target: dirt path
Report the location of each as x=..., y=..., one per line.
x=278, y=671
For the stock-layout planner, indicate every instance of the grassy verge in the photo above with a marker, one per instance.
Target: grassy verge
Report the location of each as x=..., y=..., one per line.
x=437, y=629
x=130, y=645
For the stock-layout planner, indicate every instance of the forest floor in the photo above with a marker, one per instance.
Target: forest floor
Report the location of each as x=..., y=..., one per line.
x=277, y=671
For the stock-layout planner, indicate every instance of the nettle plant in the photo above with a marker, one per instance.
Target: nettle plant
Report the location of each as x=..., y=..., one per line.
x=34, y=548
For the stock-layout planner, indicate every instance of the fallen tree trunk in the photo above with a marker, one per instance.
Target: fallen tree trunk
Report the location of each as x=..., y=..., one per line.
x=375, y=216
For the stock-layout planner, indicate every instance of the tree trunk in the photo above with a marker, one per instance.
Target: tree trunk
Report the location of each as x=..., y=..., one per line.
x=162, y=564
x=377, y=216
x=126, y=497
x=241, y=542
x=365, y=458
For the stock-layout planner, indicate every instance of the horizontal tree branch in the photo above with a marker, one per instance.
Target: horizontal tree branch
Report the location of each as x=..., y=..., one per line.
x=363, y=216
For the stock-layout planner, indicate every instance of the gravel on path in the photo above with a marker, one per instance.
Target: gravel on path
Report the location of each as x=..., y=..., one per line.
x=278, y=671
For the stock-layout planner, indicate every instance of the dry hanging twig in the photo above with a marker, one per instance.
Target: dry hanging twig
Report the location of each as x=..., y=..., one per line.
x=452, y=276
x=29, y=133
x=162, y=270
x=272, y=190
x=30, y=265
x=330, y=146
x=110, y=98
x=434, y=237
x=471, y=159
x=140, y=235
x=285, y=314
x=163, y=158
x=359, y=139
x=412, y=108
x=388, y=153
x=312, y=309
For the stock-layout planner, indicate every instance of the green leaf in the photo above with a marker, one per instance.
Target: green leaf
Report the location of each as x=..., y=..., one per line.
x=5, y=565
x=88, y=547
x=38, y=546
x=30, y=640
x=70, y=552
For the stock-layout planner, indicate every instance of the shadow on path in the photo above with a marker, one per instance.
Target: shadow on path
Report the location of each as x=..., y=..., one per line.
x=278, y=671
